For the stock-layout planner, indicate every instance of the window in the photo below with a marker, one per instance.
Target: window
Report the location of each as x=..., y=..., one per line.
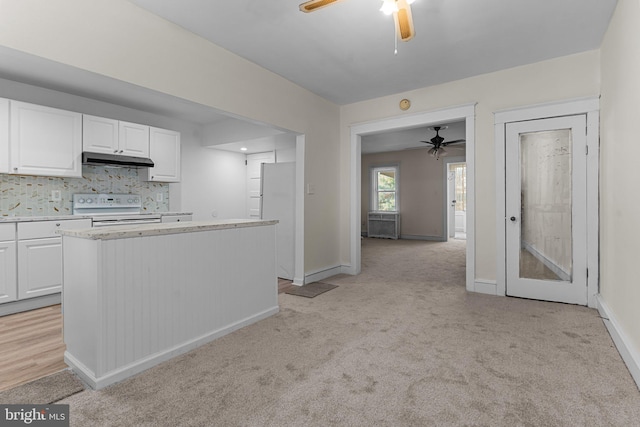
x=384, y=188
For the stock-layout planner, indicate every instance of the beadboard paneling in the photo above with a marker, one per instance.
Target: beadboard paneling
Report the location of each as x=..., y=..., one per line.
x=160, y=295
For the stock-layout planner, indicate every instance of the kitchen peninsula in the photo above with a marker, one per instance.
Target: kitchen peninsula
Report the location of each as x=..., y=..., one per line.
x=135, y=296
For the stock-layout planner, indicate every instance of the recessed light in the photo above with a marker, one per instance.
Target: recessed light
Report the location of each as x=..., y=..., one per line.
x=243, y=149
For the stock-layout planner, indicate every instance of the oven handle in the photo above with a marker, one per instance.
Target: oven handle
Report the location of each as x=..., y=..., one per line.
x=125, y=222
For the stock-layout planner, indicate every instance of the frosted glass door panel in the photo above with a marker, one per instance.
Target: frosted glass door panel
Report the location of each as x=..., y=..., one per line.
x=545, y=186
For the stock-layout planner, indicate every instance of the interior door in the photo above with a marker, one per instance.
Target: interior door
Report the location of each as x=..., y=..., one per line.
x=254, y=171
x=546, y=209
x=451, y=195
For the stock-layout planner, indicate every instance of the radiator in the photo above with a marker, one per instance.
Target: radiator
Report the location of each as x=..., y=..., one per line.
x=384, y=224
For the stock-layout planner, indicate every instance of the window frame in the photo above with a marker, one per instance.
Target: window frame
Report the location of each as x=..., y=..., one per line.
x=373, y=193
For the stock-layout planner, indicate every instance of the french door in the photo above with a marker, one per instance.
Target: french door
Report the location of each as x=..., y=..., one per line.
x=546, y=217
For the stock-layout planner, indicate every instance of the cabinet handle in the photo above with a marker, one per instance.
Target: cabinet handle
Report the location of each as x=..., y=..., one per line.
x=115, y=151
x=15, y=169
x=57, y=224
x=121, y=151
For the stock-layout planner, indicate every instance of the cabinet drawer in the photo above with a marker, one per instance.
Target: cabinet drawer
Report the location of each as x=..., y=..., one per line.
x=42, y=229
x=7, y=231
x=176, y=218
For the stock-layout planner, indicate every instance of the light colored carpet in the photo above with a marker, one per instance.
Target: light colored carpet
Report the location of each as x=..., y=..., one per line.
x=402, y=344
x=44, y=390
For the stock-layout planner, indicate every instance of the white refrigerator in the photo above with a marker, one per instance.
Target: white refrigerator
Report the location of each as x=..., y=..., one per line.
x=278, y=202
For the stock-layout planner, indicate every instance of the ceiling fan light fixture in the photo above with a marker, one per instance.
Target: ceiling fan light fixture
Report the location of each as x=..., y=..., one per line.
x=389, y=7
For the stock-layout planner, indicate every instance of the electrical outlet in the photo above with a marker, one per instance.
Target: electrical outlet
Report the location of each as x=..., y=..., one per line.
x=56, y=196
x=159, y=197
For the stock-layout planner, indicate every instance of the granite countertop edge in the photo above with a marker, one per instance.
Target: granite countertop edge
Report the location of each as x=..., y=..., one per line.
x=10, y=219
x=147, y=230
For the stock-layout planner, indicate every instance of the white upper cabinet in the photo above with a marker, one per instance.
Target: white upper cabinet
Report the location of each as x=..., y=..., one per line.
x=134, y=140
x=45, y=141
x=4, y=135
x=164, y=147
x=102, y=135
x=99, y=135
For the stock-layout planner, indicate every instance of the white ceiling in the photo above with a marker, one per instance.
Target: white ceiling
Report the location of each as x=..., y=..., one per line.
x=345, y=52
x=409, y=139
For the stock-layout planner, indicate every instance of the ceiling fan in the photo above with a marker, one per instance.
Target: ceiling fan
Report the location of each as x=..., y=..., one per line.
x=399, y=8
x=439, y=143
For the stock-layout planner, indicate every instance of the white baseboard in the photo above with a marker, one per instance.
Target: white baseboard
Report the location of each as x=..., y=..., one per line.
x=95, y=382
x=318, y=275
x=418, y=237
x=485, y=287
x=630, y=355
x=29, y=304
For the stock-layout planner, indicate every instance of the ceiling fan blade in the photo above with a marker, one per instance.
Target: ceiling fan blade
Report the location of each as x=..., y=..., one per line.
x=457, y=141
x=312, y=5
x=428, y=142
x=404, y=21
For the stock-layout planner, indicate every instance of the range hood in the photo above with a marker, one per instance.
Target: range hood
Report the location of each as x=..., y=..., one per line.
x=116, y=160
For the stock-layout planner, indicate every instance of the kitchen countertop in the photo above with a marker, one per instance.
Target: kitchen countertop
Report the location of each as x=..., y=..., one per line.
x=143, y=230
x=68, y=217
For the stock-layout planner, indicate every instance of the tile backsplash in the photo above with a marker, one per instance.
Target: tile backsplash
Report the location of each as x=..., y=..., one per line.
x=31, y=195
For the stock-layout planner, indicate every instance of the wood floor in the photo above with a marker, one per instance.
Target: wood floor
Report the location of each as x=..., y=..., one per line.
x=283, y=285
x=31, y=346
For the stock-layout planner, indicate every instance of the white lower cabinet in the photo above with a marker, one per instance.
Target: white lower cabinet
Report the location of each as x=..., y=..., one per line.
x=7, y=263
x=31, y=259
x=7, y=272
x=39, y=267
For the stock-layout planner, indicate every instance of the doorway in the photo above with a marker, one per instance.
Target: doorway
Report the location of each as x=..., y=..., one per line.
x=465, y=113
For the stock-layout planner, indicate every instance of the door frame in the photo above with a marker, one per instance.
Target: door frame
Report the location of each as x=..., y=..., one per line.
x=463, y=112
x=591, y=108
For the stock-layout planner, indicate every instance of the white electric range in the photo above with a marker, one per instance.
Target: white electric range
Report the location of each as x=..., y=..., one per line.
x=113, y=209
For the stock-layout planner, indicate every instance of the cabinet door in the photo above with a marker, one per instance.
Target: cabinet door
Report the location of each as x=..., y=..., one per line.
x=39, y=267
x=134, y=139
x=45, y=141
x=8, y=288
x=99, y=134
x=4, y=135
x=164, y=150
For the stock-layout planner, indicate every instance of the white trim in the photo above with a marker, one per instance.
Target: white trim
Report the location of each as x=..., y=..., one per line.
x=417, y=237
x=464, y=112
x=89, y=377
x=29, y=304
x=373, y=190
x=629, y=354
x=589, y=106
x=298, y=273
x=316, y=276
x=549, y=109
x=485, y=287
